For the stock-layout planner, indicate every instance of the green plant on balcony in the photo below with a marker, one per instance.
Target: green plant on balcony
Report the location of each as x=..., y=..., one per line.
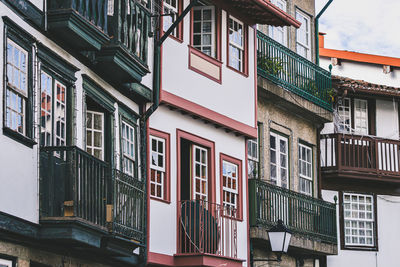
x=273, y=66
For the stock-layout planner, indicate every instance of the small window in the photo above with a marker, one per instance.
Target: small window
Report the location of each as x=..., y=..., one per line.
x=200, y=176
x=128, y=148
x=252, y=159
x=170, y=11
x=303, y=35
x=279, y=34
x=53, y=111
x=359, y=220
x=95, y=134
x=279, y=169
x=204, y=30
x=6, y=263
x=17, y=88
x=157, y=167
x=236, y=44
x=305, y=170
x=230, y=190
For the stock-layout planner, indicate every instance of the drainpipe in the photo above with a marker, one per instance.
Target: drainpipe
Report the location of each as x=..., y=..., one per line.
x=145, y=114
x=317, y=30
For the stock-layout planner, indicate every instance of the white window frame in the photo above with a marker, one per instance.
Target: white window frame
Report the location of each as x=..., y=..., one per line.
x=226, y=190
x=281, y=4
x=355, y=228
x=156, y=168
x=345, y=115
x=235, y=45
x=195, y=193
x=301, y=16
x=252, y=157
x=95, y=130
x=128, y=148
x=21, y=95
x=278, y=164
x=7, y=263
x=168, y=8
x=360, y=116
x=307, y=177
x=201, y=33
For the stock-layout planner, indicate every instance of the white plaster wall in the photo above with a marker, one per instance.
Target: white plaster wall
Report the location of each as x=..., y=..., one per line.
x=372, y=73
x=162, y=215
x=19, y=193
x=388, y=210
x=387, y=120
x=235, y=97
x=38, y=3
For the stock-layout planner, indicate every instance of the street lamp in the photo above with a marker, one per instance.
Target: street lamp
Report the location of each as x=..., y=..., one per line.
x=279, y=238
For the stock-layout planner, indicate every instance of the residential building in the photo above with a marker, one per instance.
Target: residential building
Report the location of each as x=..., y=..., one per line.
x=360, y=156
x=198, y=213
x=75, y=76
x=283, y=162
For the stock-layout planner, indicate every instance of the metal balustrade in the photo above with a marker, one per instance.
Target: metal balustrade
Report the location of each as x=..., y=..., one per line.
x=207, y=228
x=303, y=215
x=360, y=154
x=76, y=185
x=293, y=72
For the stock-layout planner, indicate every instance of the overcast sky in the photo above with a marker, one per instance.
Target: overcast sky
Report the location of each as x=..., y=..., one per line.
x=366, y=26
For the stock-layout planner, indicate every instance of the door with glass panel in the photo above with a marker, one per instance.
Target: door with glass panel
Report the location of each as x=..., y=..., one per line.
x=279, y=175
x=200, y=173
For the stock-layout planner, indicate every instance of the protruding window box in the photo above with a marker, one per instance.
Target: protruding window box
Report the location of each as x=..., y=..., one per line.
x=83, y=201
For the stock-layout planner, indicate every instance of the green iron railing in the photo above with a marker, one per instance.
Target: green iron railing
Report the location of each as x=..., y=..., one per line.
x=303, y=215
x=75, y=184
x=293, y=72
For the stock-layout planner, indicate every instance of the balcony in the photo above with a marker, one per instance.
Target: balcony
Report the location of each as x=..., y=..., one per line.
x=206, y=230
x=293, y=72
x=351, y=158
x=114, y=39
x=84, y=203
x=306, y=217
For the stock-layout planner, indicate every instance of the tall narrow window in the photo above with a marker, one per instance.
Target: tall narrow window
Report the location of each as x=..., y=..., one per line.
x=252, y=159
x=157, y=167
x=305, y=170
x=53, y=111
x=230, y=184
x=344, y=115
x=303, y=35
x=279, y=34
x=361, y=116
x=204, y=33
x=170, y=10
x=279, y=160
x=359, y=221
x=17, y=88
x=128, y=148
x=236, y=44
x=200, y=173
x=95, y=134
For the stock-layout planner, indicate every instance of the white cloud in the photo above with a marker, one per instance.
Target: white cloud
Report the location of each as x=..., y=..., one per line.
x=366, y=26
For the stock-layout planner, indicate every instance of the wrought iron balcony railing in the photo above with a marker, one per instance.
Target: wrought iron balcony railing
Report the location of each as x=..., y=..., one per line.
x=207, y=228
x=303, y=215
x=76, y=185
x=293, y=72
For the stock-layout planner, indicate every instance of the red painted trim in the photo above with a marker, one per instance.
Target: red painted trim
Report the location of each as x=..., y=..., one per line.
x=359, y=57
x=205, y=113
x=238, y=163
x=159, y=259
x=167, y=186
x=210, y=146
x=247, y=202
x=207, y=58
x=245, y=66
